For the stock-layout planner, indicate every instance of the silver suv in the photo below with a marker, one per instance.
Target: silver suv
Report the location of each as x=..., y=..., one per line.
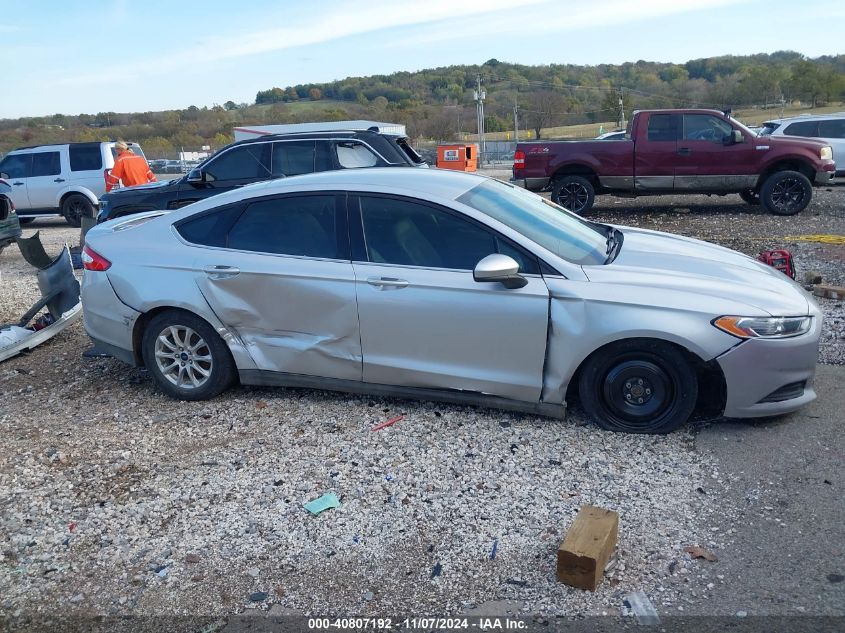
x=66, y=179
x=829, y=128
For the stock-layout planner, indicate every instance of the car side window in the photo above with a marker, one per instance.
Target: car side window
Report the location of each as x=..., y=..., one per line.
x=801, y=128
x=705, y=127
x=291, y=158
x=210, y=229
x=663, y=127
x=46, y=164
x=85, y=157
x=353, y=155
x=17, y=165
x=293, y=225
x=407, y=233
x=833, y=128
x=247, y=162
x=323, y=157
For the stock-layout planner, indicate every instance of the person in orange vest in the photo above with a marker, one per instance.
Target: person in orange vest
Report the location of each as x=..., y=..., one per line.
x=129, y=168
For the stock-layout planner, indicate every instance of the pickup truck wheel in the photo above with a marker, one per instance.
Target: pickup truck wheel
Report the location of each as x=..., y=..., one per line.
x=575, y=193
x=786, y=193
x=638, y=387
x=750, y=197
x=76, y=206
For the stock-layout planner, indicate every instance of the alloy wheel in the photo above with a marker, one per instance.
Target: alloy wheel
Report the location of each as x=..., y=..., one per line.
x=183, y=357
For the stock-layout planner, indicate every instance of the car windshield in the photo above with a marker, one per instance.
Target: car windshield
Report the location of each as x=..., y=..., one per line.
x=552, y=227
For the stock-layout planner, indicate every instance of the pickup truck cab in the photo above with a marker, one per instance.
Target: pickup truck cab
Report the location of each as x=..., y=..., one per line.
x=678, y=151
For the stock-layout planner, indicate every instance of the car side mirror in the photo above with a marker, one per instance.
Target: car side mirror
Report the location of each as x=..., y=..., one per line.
x=499, y=268
x=734, y=138
x=4, y=175
x=196, y=175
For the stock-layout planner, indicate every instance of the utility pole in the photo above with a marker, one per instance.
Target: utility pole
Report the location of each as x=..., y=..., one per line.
x=621, y=118
x=479, y=96
x=515, y=121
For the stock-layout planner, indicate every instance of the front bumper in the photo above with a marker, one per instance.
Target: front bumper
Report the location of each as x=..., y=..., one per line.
x=757, y=368
x=824, y=177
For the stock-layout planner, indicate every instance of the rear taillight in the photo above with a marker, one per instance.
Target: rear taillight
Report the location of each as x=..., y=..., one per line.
x=91, y=260
x=519, y=160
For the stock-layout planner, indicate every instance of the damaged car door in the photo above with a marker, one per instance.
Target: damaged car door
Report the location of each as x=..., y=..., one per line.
x=281, y=278
x=425, y=321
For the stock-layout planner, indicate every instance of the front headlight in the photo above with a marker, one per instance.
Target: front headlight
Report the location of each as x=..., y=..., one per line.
x=763, y=327
x=826, y=153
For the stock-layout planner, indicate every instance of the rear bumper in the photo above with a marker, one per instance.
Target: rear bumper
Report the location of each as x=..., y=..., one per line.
x=108, y=321
x=757, y=368
x=532, y=184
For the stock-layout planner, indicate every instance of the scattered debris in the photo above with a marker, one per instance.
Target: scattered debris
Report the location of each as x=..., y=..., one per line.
x=328, y=500
x=835, y=578
x=369, y=596
x=700, y=552
x=258, y=596
x=589, y=543
x=389, y=422
x=812, y=277
x=435, y=571
x=519, y=582
x=494, y=549
x=192, y=558
x=641, y=608
x=829, y=292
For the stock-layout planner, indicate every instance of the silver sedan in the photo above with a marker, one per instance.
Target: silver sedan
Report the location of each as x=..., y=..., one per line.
x=448, y=286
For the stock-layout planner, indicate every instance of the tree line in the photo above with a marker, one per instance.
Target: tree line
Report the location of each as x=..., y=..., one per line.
x=439, y=103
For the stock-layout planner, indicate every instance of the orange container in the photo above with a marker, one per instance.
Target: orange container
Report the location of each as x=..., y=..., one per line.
x=458, y=157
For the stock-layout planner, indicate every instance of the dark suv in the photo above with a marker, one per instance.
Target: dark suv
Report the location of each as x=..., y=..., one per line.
x=264, y=158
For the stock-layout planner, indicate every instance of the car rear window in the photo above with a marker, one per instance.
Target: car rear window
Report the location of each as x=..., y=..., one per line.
x=86, y=157
x=210, y=229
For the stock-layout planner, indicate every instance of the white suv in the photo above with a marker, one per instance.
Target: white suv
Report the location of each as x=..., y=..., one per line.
x=66, y=179
x=829, y=128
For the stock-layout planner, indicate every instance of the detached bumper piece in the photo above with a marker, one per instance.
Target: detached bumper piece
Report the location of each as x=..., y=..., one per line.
x=59, y=300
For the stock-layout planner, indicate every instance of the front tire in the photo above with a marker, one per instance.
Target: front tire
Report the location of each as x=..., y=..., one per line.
x=786, y=193
x=574, y=193
x=638, y=386
x=186, y=357
x=75, y=207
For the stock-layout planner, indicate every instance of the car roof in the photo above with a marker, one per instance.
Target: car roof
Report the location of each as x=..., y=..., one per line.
x=808, y=117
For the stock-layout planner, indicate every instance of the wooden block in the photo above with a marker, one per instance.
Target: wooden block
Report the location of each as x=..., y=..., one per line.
x=831, y=292
x=588, y=545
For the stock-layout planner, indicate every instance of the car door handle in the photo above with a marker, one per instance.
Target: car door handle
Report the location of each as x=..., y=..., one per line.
x=59, y=180
x=18, y=184
x=684, y=151
x=387, y=282
x=221, y=272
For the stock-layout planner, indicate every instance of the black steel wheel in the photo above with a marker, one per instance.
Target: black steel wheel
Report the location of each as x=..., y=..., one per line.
x=575, y=193
x=75, y=207
x=186, y=357
x=750, y=197
x=638, y=386
x=786, y=193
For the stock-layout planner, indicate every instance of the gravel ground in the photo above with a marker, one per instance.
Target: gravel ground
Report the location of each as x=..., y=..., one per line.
x=115, y=499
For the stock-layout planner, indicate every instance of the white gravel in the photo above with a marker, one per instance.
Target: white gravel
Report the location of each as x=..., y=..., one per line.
x=115, y=499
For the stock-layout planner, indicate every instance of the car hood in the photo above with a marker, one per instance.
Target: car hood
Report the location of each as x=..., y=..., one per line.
x=159, y=184
x=672, y=262
x=791, y=141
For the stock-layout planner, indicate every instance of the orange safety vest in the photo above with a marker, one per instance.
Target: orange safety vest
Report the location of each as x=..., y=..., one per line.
x=131, y=169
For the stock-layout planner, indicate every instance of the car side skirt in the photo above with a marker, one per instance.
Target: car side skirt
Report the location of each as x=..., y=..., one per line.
x=279, y=379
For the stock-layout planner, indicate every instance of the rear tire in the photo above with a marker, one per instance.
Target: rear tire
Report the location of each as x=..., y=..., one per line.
x=186, y=357
x=638, y=386
x=74, y=207
x=786, y=193
x=574, y=193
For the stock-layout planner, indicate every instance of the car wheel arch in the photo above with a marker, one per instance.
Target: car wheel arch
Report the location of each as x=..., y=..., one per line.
x=790, y=164
x=66, y=193
x=143, y=321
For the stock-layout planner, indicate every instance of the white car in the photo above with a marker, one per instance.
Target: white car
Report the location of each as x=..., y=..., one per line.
x=829, y=128
x=65, y=179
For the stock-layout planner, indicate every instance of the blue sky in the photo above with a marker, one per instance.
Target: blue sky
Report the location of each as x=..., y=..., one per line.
x=122, y=56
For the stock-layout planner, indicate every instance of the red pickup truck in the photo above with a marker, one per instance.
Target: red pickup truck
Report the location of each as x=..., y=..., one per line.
x=678, y=151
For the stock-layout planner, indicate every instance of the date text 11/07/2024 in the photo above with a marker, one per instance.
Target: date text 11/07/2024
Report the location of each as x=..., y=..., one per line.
x=388, y=624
